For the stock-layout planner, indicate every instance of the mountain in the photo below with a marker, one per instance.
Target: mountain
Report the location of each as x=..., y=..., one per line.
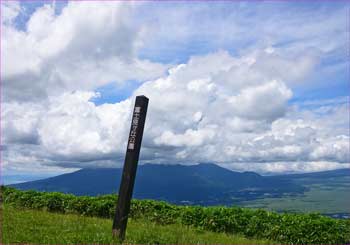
x=206, y=184
x=343, y=172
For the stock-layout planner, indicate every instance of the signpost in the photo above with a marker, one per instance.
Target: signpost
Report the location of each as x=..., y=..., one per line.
x=130, y=166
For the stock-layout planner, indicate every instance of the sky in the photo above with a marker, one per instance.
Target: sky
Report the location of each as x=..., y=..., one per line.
x=251, y=86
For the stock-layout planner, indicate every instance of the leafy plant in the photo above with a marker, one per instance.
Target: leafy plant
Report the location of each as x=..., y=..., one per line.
x=285, y=228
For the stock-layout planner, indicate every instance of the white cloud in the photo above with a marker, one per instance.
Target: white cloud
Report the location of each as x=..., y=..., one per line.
x=189, y=138
x=333, y=149
x=229, y=109
x=19, y=122
x=74, y=128
x=251, y=125
x=267, y=100
x=86, y=46
x=289, y=29
x=30, y=159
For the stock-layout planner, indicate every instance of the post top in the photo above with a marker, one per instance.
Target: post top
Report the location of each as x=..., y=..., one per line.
x=142, y=96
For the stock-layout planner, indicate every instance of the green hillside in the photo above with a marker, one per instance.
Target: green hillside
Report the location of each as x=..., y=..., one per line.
x=172, y=223
x=327, y=194
x=40, y=227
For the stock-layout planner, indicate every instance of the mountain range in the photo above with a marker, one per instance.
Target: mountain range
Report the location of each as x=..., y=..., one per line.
x=204, y=184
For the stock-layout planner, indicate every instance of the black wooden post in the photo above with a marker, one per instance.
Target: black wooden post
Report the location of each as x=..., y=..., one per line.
x=130, y=165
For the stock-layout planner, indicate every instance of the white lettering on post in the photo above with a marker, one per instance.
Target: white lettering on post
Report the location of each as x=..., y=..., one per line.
x=134, y=125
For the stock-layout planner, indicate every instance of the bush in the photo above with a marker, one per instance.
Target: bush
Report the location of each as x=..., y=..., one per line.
x=261, y=224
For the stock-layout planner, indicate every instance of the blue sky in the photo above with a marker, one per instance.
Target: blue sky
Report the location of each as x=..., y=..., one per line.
x=59, y=57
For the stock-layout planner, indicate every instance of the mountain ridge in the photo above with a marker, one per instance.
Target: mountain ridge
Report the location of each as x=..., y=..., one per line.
x=204, y=184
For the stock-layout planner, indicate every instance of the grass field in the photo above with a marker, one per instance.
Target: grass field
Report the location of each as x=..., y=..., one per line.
x=39, y=227
x=325, y=196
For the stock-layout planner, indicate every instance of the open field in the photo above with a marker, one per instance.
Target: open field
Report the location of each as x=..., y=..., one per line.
x=326, y=196
x=40, y=227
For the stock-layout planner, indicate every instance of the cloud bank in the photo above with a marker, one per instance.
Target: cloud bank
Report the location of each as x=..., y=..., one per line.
x=215, y=108
x=235, y=110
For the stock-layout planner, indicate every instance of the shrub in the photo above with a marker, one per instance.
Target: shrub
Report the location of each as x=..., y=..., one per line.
x=284, y=228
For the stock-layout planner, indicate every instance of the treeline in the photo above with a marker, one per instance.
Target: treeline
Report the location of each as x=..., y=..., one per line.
x=285, y=228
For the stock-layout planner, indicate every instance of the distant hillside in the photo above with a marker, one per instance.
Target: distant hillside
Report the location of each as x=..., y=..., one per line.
x=327, y=192
x=206, y=184
x=318, y=175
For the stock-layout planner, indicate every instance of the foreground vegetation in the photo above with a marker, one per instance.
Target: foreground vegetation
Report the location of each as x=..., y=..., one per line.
x=40, y=227
x=256, y=224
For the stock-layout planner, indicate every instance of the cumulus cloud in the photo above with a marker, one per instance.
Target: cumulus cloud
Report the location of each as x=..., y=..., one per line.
x=273, y=94
x=233, y=110
x=194, y=116
x=29, y=159
x=85, y=46
x=20, y=123
x=189, y=138
x=74, y=128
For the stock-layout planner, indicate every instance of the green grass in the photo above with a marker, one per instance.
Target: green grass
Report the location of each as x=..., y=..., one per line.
x=39, y=227
x=326, y=196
